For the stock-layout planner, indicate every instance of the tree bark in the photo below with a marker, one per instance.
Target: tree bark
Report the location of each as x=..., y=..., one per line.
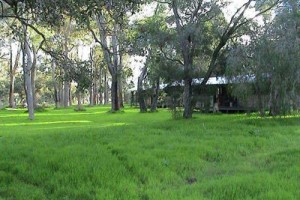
x=92, y=86
x=91, y=97
x=187, y=47
x=12, y=76
x=114, y=94
x=140, y=90
x=260, y=100
x=105, y=89
x=111, y=57
x=187, y=99
x=274, y=104
x=79, y=103
x=101, y=86
x=66, y=92
x=95, y=88
x=120, y=90
x=27, y=74
x=66, y=50
x=56, y=89
x=155, y=96
x=33, y=76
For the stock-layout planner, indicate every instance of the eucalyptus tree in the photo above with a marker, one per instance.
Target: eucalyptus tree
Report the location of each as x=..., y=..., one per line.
x=272, y=56
x=62, y=49
x=110, y=18
x=198, y=23
x=18, y=10
x=9, y=41
x=110, y=22
x=13, y=66
x=280, y=57
x=145, y=38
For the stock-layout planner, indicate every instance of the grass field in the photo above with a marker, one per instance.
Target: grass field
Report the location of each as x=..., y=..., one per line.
x=129, y=155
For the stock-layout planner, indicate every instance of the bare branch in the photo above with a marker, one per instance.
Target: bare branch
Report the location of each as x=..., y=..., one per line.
x=258, y=14
x=233, y=17
x=171, y=59
x=2, y=8
x=229, y=32
x=177, y=16
x=163, y=2
x=194, y=14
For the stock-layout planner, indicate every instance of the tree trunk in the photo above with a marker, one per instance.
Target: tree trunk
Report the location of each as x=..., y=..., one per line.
x=70, y=95
x=120, y=91
x=105, y=89
x=92, y=86
x=12, y=76
x=111, y=61
x=33, y=77
x=92, y=95
x=121, y=102
x=66, y=92
x=274, y=104
x=95, y=92
x=66, y=83
x=155, y=96
x=79, y=103
x=141, y=99
x=187, y=99
x=260, y=100
x=27, y=75
x=115, y=106
x=140, y=91
x=115, y=70
x=56, y=89
x=101, y=86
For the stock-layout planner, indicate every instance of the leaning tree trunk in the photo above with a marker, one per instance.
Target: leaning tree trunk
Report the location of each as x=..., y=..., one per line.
x=27, y=75
x=155, y=96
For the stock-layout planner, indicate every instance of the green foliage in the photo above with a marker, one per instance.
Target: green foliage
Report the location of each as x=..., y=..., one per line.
x=130, y=155
x=268, y=64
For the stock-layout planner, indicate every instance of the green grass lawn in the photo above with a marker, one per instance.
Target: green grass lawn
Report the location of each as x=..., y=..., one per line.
x=129, y=155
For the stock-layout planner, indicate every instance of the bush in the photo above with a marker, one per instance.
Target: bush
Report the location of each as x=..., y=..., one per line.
x=177, y=113
x=79, y=109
